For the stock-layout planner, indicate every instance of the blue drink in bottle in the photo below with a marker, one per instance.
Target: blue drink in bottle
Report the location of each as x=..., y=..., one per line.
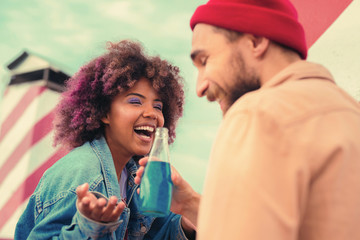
x=156, y=184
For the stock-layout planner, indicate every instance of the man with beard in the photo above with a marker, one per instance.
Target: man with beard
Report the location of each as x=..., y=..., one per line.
x=286, y=160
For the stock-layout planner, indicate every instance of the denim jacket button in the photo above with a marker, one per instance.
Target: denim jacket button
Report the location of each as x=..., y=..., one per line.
x=143, y=229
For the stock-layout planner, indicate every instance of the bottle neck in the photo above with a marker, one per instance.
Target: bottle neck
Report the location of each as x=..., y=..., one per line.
x=160, y=148
x=162, y=132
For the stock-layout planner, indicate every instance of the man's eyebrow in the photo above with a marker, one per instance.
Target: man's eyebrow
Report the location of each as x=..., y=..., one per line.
x=142, y=96
x=194, y=54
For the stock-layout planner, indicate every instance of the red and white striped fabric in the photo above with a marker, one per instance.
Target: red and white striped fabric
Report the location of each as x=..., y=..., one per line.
x=25, y=147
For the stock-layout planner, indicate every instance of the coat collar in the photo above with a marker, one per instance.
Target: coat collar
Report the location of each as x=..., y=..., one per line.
x=297, y=71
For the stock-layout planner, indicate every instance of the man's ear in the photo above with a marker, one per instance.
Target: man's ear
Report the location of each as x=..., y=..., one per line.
x=260, y=45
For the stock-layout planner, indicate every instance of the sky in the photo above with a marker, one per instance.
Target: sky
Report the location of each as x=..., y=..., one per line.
x=70, y=33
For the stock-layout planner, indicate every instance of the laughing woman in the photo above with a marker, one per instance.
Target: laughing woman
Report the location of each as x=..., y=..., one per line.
x=107, y=118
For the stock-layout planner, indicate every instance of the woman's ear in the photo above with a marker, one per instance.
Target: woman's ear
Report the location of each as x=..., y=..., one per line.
x=105, y=119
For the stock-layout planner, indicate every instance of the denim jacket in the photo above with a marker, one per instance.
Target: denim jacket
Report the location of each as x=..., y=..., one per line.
x=51, y=211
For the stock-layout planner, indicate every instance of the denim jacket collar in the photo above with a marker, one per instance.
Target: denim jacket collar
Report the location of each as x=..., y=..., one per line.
x=102, y=151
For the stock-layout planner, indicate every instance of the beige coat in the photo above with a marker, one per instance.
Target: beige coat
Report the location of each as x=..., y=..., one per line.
x=286, y=163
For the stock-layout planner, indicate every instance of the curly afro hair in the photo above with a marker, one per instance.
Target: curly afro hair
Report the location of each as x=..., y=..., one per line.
x=91, y=90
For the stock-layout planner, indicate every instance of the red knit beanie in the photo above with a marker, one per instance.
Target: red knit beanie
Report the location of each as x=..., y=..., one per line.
x=274, y=19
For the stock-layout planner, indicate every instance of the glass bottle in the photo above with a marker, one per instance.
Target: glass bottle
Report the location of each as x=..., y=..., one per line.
x=156, y=184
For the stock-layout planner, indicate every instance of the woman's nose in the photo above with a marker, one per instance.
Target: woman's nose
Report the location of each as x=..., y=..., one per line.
x=150, y=112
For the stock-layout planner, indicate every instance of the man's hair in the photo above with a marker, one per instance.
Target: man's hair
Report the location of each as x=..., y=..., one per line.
x=232, y=36
x=229, y=34
x=91, y=90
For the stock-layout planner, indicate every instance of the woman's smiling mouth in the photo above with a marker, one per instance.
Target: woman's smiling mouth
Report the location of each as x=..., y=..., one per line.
x=145, y=132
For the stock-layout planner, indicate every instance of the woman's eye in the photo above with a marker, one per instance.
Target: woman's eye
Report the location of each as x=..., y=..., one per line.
x=134, y=101
x=158, y=106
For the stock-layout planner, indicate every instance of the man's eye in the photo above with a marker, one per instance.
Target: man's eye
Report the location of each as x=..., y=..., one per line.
x=203, y=61
x=134, y=101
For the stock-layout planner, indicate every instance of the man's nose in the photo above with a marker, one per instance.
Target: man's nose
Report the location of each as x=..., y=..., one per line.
x=201, y=86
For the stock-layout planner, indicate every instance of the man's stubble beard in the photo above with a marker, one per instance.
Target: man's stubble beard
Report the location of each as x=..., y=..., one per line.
x=245, y=78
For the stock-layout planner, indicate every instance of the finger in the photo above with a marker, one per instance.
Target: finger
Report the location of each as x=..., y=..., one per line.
x=84, y=206
x=82, y=190
x=143, y=161
x=98, y=208
x=175, y=177
x=139, y=174
x=117, y=212
x=108, y=210
x=82, y=201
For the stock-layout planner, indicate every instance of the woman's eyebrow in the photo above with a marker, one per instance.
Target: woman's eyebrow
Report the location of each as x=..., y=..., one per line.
x=136, y=94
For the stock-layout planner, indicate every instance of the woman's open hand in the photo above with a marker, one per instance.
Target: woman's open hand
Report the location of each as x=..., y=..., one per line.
x=98, y=209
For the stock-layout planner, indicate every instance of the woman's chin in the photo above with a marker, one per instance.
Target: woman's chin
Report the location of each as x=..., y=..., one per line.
x=143, y=152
